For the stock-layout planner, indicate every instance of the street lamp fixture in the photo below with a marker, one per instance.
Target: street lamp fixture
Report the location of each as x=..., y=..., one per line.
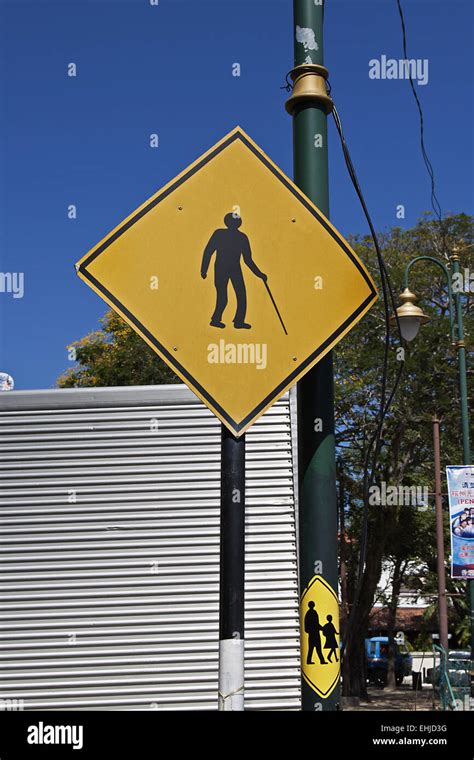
x=410, y=316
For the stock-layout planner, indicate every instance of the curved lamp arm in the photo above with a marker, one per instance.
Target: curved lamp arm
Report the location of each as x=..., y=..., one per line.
x=448, y=280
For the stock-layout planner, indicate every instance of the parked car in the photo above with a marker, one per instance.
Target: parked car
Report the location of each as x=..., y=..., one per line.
x=459, y=661
x=377, y=661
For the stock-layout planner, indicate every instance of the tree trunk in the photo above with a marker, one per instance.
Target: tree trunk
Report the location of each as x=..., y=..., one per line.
x=357, y=633
x=381, y=524
x=392, y=616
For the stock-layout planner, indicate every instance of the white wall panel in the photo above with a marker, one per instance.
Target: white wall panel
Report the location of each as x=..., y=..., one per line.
x=109, y=535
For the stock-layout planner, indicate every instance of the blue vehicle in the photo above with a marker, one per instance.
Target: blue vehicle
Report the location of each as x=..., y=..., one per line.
x=377, y=661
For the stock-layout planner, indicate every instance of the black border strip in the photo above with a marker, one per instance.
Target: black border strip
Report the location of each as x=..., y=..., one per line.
x=172, y=359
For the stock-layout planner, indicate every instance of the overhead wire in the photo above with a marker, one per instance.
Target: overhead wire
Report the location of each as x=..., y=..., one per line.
x=375, y=441
x=386, y=399
x=435, y=204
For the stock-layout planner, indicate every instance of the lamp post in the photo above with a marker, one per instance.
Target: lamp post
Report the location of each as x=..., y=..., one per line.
x=411, y=317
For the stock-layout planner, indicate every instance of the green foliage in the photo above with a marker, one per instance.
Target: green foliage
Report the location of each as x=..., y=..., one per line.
x=429, y=385
x=430, y=382
x=114, y=356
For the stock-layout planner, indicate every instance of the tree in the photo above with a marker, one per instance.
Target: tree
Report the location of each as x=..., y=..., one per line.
x=429, y=384
x=115, y=355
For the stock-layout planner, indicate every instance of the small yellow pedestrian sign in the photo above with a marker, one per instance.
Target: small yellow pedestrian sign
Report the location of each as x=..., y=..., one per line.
x=234, y=278
x=320, y=636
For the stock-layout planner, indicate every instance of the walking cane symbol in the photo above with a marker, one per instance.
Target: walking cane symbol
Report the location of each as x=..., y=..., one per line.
x=275, y=306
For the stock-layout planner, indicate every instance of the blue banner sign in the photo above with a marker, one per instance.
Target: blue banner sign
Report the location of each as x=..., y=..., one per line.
x=461, y=520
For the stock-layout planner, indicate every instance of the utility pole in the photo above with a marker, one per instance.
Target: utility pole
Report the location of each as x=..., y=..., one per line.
x=442, y=599
x=309, y=106
x=232, y=572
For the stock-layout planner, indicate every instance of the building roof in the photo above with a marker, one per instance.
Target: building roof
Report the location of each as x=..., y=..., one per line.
x=407, y=619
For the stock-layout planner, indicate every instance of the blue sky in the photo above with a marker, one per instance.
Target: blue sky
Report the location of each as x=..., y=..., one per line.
x=167, y=69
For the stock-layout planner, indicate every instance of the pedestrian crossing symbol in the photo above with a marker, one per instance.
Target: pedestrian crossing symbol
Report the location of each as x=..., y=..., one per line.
x=320, y=636
x=234, y=278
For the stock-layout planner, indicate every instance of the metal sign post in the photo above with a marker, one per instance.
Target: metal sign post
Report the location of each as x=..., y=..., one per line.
x=232, y=572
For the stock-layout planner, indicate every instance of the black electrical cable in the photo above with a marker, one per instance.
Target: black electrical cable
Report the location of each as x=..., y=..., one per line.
x=383, y=270
x=435, y=204
x=375, y=442
x=288, y=86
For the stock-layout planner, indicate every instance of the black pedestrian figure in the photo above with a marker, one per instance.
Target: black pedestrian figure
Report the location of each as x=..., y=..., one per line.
x=230, y=245
x=313, y=628
x=330, y=634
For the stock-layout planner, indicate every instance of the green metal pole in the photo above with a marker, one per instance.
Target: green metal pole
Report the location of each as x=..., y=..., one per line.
x=466, y=448
x=316, y=442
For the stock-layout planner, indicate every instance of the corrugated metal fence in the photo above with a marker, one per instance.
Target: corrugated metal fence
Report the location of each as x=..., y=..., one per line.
x=109, y=537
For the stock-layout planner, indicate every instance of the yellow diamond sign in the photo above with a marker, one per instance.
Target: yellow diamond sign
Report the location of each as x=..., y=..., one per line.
x=234, y=278
x=320, y=636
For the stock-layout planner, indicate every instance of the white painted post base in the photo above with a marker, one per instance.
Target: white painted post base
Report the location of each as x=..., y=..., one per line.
x=231, y=674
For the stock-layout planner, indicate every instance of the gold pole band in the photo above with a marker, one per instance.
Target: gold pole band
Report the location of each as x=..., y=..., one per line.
x=309, y=88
